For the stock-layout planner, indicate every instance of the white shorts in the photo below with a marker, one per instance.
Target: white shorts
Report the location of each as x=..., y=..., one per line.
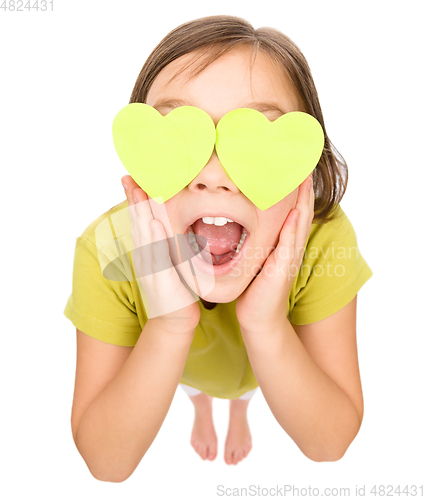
x=191, y=391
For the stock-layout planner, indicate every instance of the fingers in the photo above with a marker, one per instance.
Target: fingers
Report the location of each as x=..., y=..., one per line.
x=139, y=210
x=305, y=192
x=286, y=246
x=151, y=250
x=134, y=193
x=305, y=205
x=162, y=290
x=129, y=181
x=157, y=211
x=296, y=229
x=160, y=248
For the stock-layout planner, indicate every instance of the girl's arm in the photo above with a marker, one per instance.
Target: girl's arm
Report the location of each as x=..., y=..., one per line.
x=122, y=396
x=309, y=376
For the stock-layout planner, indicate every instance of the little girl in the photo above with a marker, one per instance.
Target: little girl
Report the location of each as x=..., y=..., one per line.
x=281, y=314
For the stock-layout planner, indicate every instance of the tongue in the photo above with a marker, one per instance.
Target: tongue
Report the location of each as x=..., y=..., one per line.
x=222, y=240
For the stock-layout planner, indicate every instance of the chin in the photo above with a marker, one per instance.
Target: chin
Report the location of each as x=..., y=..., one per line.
x=226, y=292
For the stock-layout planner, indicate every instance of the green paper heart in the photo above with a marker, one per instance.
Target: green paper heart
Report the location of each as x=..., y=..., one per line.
x=268, y=160
x=163, y=154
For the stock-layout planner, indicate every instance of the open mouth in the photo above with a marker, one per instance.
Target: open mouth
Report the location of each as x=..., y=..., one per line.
x=216, y=240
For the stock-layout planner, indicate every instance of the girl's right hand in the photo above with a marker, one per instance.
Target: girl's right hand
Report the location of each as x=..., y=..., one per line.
x=165, y=297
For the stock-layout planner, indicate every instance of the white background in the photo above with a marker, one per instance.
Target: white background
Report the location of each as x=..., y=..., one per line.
x=64, y=76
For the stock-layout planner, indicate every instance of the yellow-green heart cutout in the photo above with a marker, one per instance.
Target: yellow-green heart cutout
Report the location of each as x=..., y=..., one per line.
x=268, y=160
x=163, y=154
x=265, y=160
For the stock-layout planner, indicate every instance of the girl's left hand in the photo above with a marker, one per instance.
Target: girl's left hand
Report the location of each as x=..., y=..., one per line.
x=262, y=307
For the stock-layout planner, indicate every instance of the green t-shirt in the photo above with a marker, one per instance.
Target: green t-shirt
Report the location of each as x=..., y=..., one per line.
x=331, y=274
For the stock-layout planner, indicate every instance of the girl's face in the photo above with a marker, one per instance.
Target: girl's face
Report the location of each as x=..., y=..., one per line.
x=227, y=84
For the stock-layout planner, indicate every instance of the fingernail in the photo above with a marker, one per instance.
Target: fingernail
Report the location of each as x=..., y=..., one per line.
x=297, y=217
x=125, y=186
x=309, y=184
x=135, y=200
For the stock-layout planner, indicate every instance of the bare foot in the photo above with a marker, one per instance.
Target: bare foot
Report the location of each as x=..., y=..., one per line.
x=203, y=437
x=238, y=441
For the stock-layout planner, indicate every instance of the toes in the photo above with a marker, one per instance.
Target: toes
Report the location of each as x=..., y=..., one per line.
x=233, y=457
x=228, y=458
x=194, y=444
x=246, y=451
x=202, y=451
x=212, y=451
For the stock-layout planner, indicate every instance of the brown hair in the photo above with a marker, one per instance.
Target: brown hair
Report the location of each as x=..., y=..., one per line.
x=212, y=37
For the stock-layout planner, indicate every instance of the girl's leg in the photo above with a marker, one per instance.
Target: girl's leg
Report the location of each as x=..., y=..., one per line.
x=203, y=438
x=238, y=441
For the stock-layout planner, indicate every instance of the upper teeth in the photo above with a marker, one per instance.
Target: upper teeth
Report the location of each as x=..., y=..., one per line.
x=217, y=221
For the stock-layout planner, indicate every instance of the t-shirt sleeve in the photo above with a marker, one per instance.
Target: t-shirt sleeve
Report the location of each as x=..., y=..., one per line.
x=331, y=274
x=100, y=307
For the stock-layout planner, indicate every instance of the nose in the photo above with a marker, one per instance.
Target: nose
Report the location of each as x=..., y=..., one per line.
x=213, y=178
